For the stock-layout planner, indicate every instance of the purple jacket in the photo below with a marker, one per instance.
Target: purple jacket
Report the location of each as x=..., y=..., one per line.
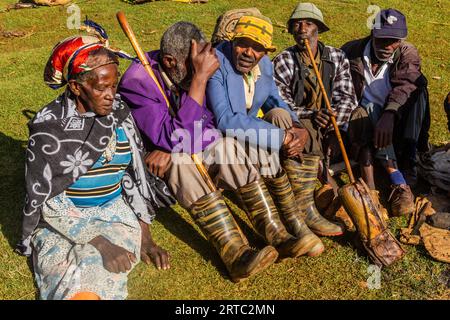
x=158, y=127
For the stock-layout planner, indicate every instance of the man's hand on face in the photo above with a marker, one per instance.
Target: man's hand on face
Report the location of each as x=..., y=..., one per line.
x=204, y=60
x=158, y=162
x=322, y=118
x=115, y=259
x=295, y=142
x=384, y=130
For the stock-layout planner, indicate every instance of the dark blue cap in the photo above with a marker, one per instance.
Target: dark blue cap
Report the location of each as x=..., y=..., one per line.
x=390, y=23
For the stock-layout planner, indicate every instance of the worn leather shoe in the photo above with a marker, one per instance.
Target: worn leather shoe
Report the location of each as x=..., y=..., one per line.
x=401, y=200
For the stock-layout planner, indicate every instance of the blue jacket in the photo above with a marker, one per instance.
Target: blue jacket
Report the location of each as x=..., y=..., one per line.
x=226, y=98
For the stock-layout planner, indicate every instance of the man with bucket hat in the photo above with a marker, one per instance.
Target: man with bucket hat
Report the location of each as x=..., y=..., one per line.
x=276, y=204
x=299, y=88
x=393, y=116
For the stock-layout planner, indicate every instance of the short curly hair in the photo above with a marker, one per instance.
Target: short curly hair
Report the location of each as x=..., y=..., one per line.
x=176, y=40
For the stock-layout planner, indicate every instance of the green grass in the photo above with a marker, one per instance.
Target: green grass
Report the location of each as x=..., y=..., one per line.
x=197, y=272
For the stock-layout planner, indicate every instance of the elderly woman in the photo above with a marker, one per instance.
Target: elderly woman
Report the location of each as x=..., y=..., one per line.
x=88, y=199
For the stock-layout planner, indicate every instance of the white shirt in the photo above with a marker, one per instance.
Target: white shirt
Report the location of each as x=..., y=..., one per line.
x=376, y=86
x=249, y=85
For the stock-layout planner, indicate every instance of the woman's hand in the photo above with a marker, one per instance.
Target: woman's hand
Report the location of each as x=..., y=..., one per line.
x=115, y=259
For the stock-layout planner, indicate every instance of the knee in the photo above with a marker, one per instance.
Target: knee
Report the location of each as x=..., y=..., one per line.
x=359, y=124
x=226, y=143
x=279, y=117
x=180, y=159
x=222, y=152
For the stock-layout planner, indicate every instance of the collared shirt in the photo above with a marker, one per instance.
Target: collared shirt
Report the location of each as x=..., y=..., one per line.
x=343, y=99
x=405, y=73
x=249, y=85
x=376, y=86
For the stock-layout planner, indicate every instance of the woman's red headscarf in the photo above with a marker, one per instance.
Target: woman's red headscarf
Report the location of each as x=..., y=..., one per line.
x=69, y=57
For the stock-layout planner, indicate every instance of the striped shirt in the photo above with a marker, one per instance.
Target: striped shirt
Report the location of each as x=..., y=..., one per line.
x=103, y=181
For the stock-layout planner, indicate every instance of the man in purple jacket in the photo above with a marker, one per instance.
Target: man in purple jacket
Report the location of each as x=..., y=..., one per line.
x=172, y=133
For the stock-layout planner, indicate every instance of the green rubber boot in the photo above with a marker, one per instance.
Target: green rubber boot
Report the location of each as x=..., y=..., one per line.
x=303, y=179
x=284, y=198
x=263, y=214
x=211, y=213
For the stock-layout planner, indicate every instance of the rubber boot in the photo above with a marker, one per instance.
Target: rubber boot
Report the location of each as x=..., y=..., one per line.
x=261, y=210
x=211, y=213
x=283, y=196
x=323, y=197
x=337, y=213
x=303, y=179
x=376, y=200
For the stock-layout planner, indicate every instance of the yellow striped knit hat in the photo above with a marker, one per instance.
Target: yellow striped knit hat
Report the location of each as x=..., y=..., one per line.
x=259, y=29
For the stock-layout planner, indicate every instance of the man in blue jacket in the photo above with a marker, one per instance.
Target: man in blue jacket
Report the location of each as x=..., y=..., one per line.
x=242, y=87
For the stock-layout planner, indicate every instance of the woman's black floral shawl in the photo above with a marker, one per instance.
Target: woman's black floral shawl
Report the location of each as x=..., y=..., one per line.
x=64, y=145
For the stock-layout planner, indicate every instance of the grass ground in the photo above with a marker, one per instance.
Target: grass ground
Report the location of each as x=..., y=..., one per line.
x=197, y=273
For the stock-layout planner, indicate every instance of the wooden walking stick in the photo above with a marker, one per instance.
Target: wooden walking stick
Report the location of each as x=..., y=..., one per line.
x=141, y=55
x=333, y=119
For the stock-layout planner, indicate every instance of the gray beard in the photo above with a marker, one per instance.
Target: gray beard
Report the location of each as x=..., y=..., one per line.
x=178, y=78
x=382, y=59
x=376, y=54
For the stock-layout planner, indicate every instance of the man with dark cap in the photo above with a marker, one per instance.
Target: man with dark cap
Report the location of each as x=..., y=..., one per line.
x=392, y=119
x=298, y=85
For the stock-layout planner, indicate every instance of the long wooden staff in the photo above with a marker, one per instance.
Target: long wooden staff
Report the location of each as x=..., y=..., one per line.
x=130, y=35
x=333, y=119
